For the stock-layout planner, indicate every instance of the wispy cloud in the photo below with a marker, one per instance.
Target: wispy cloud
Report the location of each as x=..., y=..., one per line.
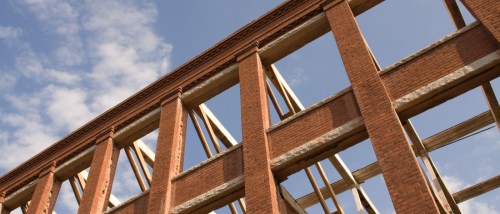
x=7, y=80
x=126, y=51
x=473, y=207
x=101, y=53
x=8, y=32
x=297, y=77
x=124, y=55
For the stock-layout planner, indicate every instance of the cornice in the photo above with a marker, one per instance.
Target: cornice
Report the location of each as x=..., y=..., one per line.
x=171, y=96
x=246, y=52
x=48, y=169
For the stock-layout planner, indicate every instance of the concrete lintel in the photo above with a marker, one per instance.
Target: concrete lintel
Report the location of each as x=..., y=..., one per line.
x=209, y=195
x=20, y=196
x=268, y=51
x=212, y=86
x=139, y=124
x=330, y=136
x=62, y=171
x=73, y=165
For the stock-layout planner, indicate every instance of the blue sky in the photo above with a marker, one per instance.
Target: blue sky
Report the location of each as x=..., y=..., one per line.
x=64, y=62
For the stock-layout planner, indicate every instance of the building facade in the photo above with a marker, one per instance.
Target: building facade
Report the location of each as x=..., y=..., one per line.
x=247, y=175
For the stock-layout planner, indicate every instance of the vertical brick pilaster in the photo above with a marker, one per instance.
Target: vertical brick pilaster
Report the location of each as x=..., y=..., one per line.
x=260, y=186
x=169, y=154
x=102, y=171
x=407, y=186
x=45, y=195
x=3, y=209
x=487, y=12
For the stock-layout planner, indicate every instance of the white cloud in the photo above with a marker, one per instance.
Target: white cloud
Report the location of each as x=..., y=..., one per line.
x=453, y=184
x=103, y=53
x=20, y=145
x=7, y=32
x=29, y=63
x=63, y=77
x=474, y=207
x=69, y=55
x=297, y=77
x=66, y=107
x=7, y=80
x=58, y=16
x=110, y=97
x=490, y=136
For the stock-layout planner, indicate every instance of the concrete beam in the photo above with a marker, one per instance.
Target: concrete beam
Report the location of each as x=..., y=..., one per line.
x=214, y=198
x=209, y=88
x=138, y=129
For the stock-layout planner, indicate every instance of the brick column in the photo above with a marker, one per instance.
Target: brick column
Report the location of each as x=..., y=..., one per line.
x=3, y=209
x=102, y=171
x=169, y=154
x=487, y=12
x=407, y=186
x=45, y=195
x=260, y=186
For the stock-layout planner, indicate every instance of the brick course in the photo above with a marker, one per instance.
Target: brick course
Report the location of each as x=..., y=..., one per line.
x=439, y=61
x=138, y=205
x=213, y=174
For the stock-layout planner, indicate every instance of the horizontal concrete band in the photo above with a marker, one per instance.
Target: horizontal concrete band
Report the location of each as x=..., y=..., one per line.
x=225, y=188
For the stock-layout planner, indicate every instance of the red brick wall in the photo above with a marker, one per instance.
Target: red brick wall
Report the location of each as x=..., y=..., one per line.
x=438, y=62
x=138, y=205
x=313, y=124
x=209, y=176
x=486, y=11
